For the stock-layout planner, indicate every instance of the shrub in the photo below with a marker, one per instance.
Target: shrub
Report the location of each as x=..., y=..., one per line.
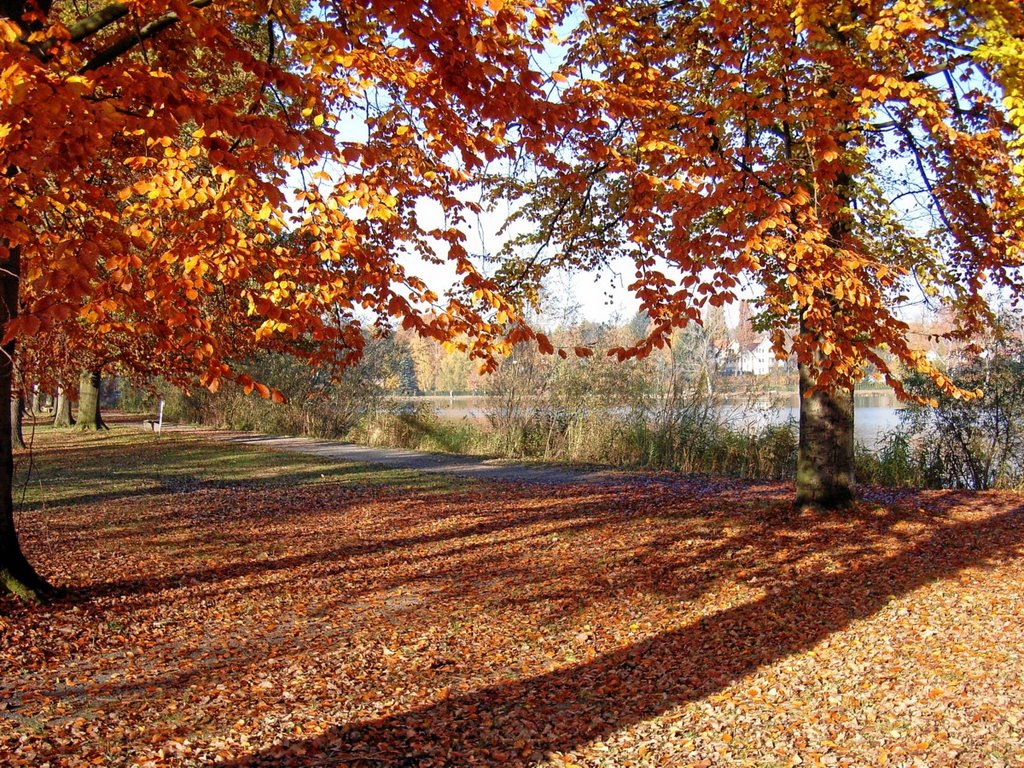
x=976, y=443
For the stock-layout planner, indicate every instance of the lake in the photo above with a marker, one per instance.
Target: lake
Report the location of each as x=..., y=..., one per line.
x=876, y=411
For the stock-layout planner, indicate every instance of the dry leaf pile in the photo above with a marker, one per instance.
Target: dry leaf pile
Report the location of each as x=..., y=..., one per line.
x=655, y=622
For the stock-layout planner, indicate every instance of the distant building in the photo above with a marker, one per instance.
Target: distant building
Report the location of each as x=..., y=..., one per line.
x=757, y=358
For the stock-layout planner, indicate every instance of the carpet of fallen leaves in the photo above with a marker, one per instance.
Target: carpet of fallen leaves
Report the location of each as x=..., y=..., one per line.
x=310, y=619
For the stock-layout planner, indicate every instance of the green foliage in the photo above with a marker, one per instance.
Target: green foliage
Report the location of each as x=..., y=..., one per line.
x=961, y=443
x=180, y=405
x=317, y=405
x=895, y=462
x=418, y=428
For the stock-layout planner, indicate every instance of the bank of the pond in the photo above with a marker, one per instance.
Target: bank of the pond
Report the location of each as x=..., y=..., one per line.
x=876, y=412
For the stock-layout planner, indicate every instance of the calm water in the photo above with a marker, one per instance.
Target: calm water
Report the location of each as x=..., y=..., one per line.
x=876, y=412
x=869, y=421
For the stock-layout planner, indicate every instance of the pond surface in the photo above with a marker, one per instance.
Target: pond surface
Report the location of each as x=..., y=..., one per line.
x=870, y=422
x=876, y=412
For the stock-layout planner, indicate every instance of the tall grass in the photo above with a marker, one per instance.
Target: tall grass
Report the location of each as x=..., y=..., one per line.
x=767, y=452
x=419, y=429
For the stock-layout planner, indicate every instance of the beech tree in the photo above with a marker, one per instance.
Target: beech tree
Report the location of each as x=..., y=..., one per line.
x=62, y=409
x=200, y=180
x=840, y=157
x=193, y=181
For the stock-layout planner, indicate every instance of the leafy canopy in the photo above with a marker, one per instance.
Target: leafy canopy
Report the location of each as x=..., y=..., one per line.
x=187, y=182
x=196, y=180
x=844, y=158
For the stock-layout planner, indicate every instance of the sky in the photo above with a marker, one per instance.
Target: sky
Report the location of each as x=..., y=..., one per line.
x=593, y=296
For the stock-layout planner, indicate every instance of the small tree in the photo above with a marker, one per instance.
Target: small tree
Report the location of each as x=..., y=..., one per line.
x=516, y=396
x=976, y=443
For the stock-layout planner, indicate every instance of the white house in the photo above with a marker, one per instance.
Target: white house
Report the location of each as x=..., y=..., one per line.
x=758, y=359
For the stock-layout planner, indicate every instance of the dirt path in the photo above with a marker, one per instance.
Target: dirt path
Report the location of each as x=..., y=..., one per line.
x=465, y=466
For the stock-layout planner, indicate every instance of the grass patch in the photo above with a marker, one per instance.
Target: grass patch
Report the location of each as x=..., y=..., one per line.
x=66, y=466
x=262, y=609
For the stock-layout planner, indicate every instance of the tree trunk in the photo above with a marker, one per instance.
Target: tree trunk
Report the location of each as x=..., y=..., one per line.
x=16, y=574
x=36, y=400
x=17, y=421
x=825, y=454
x=62, y=410
x=89, y=416
x=824, y=465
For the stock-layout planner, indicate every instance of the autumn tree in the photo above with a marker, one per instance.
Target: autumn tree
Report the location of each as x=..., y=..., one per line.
x=426, y=359
x=746, y=336
x=840, y=157
x=146, y=203
x=89, y=414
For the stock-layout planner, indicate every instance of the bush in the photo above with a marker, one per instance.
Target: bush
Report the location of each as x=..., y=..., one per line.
x=976, y=443
x=895, y=462
x=418, y=428
x=663, y=412
x=317, y=405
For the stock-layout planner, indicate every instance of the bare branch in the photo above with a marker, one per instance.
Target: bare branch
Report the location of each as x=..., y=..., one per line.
x=103, y=18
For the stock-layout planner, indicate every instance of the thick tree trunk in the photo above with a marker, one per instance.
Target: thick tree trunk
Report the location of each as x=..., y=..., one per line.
x=89, y=416
x=16, y=574
x=825, y=455
x=62, y=409
x=17, y=421
x=824, y=466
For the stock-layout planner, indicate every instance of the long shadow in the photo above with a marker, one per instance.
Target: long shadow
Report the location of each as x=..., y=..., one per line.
x=181, y=482
x=175, y=467
x=514, y=724
x=574, y=518
x=683, y=579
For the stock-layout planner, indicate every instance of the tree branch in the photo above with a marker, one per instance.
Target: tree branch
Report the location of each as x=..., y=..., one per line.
x=103, y=18
x=129, y=41
x=938, y=69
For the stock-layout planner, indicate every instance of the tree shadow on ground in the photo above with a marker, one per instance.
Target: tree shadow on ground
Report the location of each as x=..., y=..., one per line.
x=760, y=549
x=90, y=469
x=316, y=576
x=153, y=481
x=557, y=518
x=517, y=723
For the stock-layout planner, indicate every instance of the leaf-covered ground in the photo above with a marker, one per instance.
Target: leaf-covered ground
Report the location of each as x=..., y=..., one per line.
x=248, y=608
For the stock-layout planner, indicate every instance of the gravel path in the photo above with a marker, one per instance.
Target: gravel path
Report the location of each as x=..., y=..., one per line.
x=438, y=463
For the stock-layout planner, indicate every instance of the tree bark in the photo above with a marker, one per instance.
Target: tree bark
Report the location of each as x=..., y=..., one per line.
x=16, y=574
x=17, y=421
x=89, y=416
x=62, y=410
x=825, y=454
x=824, y=466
